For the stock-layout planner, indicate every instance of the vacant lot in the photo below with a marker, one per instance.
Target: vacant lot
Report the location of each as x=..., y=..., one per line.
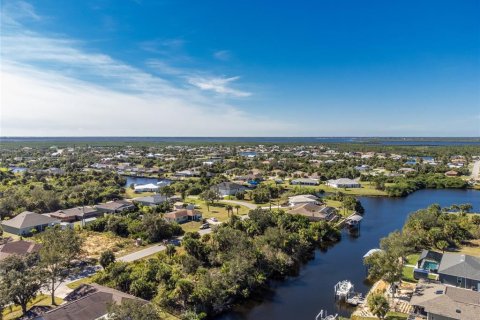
x=95, y=243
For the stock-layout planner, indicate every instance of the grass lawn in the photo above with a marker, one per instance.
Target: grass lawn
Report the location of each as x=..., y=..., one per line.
x=407, y=274
x=40, y=300
x=75, y=284
x=472, y=248
x=412, y=259
x=367, y=189
x=390, y=316
x=129, y=194
x=338, y=206
x=217, y=210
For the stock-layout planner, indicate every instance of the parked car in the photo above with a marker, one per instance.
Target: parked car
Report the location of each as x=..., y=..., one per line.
x=205, y=226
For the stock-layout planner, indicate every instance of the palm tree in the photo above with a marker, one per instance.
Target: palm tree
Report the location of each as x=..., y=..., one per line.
x=229, y=209
x=170, y=250
x=237, y=206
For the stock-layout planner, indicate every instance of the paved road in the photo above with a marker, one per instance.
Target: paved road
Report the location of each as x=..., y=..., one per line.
x=476, y=170
x=142, y=253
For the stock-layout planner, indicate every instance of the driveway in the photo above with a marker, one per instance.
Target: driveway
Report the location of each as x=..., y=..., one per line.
x=476, y=170
x=142, y=253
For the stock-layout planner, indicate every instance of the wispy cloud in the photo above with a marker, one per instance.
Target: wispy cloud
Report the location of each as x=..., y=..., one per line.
x=54, y=85
x=222, y=55
x=218, y=85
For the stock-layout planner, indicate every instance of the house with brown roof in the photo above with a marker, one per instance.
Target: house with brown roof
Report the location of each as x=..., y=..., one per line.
x=20, y=247
x=183, y=215
x=451, y=173
x=76, y=214
x=88, y=302
x=23, y=223
x=314, y=212
x=115, y=206
x=434, y=300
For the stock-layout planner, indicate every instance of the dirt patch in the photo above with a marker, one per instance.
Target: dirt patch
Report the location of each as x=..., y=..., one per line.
x=95, y=243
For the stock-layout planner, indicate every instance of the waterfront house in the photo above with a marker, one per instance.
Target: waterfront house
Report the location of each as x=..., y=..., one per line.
x=25, y=222
x=228, y=188
x=88, y=302
x=429, y=260
x=436, y=301
x=150, y=187
x=183, y=215
x=302, y=199
x=305, y=182
x=314, y=212
x=343, y=183
x=20, y=247
x=460, y=270
x=116, y=206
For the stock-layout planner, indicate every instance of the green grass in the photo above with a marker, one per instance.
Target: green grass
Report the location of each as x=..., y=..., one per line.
x=40, y=300
x=390, y=316
x=412, y=259
x=217, y=210
x=130, y=194
x=407, y=274
x=367, y=189
x=75, y=284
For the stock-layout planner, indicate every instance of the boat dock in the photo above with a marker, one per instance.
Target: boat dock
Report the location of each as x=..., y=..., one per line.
x=344, y=290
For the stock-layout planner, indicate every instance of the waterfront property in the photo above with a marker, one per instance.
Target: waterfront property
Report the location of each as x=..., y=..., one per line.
x=305, y=182
x=149, y=187
x=460, y=270
x=314, y=212
x=303, y=199
x=343, y=183
x=26, y=222
x=151, y=201
x=435, y=300
x=429, y=260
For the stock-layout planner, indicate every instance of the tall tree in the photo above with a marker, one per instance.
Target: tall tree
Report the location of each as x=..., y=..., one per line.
x=106, y=258
x=132, y=310
x=378, y=305
x=20, y=280
x=59, y=249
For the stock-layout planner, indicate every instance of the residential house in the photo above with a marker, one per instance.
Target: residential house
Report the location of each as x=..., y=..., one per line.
x=115, y=206
x=88, y=302
x=314, y=212
x=151, y=201
x=302, y=199
x=460, y=270
x=436, y=301
x=150, y=187
x=343, y=183
x=451, y=173
x=76, y=214
x=228, y=188
x=20, y=247
x=25, y=222
x=305, y=182
x=183, y=215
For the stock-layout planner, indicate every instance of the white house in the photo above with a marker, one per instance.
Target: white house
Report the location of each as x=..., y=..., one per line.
x=150, y=187
x=343, y=183
x=302, y=199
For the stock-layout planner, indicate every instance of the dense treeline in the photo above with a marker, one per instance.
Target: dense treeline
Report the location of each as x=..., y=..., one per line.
x=219, y=268
x=42, y=193
x=431, y=228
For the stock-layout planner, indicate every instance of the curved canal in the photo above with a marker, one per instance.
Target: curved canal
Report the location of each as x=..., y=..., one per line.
x=304, y=296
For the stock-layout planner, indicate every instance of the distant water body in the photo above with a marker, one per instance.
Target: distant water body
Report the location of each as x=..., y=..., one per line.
x=407, y=141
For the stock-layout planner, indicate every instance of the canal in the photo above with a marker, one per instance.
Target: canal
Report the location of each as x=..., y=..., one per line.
x=304, y=296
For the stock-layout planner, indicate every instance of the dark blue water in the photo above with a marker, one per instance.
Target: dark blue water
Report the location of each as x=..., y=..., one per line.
x=304, y=296
x=259, y=140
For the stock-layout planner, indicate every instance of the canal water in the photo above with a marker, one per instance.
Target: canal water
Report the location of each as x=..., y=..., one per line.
x=304, y=296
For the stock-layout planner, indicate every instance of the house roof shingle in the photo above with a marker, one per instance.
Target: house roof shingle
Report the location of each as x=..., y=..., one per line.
x=28, y=219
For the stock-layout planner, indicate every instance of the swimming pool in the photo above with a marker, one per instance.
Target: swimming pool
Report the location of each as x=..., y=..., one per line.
x=429, y=265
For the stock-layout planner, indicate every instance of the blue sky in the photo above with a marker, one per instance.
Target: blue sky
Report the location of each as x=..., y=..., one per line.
x=243, y=68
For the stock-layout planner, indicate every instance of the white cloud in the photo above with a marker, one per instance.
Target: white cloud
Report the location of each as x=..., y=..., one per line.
x=218, y=85
x=222, y=55
x=54, y=86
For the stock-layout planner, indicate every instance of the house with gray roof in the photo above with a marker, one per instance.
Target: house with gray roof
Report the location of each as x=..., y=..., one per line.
x=437, y=301
x=76, y=214
x=228, y=188
x=343, y=183
x=25, y=222
x=88, y=302
x=115, y=206
x=460, y=270
x=20, y=247
x=151, y=201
